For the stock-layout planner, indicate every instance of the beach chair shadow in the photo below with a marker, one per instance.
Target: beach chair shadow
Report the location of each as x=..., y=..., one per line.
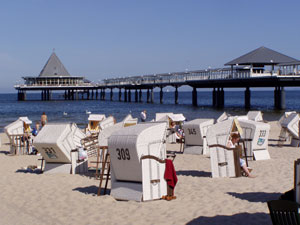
x=34, y=171
x=91, y=190
x=255, y=196
x=284, y=212
x=193, y=173
x=246, y=218
x=4, y=152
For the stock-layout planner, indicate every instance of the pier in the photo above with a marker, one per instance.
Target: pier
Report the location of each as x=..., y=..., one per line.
x=248, y=71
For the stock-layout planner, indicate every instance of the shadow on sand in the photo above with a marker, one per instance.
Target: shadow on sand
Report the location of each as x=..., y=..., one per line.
x=33, y=171
x=91, y=190
x=194, y=173
x=236, y=219
x=256, y=196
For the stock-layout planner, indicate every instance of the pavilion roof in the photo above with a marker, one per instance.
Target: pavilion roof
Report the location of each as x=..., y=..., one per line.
x=54, y=67
x=263, y=56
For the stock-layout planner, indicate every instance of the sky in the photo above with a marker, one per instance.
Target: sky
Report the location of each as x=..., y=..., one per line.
x=115, y=38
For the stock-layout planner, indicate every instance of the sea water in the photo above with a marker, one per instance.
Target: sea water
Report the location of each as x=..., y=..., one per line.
x=75, y=111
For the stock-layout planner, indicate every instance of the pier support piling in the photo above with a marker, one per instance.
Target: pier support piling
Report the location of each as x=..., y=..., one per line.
x=247, y=98
x=111, y=94
x=148, y=95
x=136, y=95
x=214, y=97
x=104, y=94
x=125, y=95
x=194, y=96
x=140, y=96
x=161, y=95
x=152, y=96
x=176, y=95
x=129, y=95
x=120, y=94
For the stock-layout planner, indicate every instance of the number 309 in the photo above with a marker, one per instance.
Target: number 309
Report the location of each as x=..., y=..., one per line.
x=123, y=154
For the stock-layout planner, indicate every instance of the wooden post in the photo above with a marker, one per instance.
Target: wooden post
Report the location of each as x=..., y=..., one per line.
x=148, y=95
x=111, y=94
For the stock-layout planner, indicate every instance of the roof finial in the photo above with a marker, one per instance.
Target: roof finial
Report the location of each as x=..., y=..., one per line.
x=53, y=49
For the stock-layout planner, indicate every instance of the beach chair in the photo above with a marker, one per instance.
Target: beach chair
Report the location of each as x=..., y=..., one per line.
x=60, y=145
x=19, y=134
x=255, y=136
x=290, y=130
x=255, y=116
x=195, y=136
x=224, y=160
x=169, y=118
x=94, y=120
x=284, y=212
x=137, y=155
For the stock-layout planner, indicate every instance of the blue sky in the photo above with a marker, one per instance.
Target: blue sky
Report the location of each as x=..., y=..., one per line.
x=99, y=39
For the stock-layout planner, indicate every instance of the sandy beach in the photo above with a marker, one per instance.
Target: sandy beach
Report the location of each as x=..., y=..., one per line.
x=30, y=198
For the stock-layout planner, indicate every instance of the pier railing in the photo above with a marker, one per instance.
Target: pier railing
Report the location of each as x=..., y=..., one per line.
x=176, y=78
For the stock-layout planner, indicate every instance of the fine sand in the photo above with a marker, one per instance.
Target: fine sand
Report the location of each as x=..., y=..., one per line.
x=31, y=198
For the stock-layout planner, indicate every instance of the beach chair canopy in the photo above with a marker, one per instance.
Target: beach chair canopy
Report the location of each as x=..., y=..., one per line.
x=223, y=117
x=56, y=140
x=25, y=120
x=126, y=147
x=107, y=122
x=17, y=127
x=96, y=117
x=129, y=121
x=162, y=116
x=291, y=123
x=255, y=116
x=195, y=130
x=177, y=117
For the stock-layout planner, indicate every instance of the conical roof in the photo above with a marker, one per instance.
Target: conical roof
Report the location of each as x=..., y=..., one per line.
x=263, y=56
x=54, y=67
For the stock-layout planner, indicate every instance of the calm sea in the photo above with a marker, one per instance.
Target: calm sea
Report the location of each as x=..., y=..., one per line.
x=11, y=109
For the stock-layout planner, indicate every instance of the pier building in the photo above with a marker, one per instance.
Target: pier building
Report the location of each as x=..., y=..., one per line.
x=261, y=67
x=54, y=77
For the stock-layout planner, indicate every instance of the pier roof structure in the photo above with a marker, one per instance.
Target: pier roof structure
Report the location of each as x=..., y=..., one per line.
x=54, y=67
x=261, y=56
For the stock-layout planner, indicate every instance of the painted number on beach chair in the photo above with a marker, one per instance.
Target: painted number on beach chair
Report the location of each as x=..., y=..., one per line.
x=50, y=153
x=123, y=154
x=262, y=133
x=192, y=131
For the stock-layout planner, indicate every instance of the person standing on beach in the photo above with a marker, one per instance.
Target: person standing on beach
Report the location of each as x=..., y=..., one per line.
x=44, y=119
x=143, y=116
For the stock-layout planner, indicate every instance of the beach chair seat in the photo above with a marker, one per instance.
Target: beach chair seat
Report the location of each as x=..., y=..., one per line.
x=283, y=212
